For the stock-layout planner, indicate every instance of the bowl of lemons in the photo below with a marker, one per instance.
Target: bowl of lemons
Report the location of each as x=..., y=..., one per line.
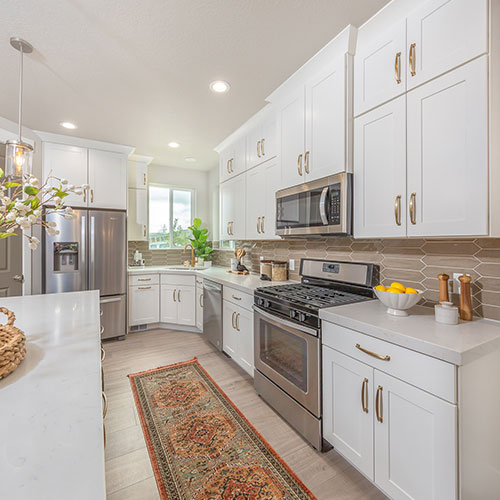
x=398, y=298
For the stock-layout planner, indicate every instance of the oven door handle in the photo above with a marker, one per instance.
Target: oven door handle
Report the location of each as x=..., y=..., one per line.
x=280, y=321
x=322, y=206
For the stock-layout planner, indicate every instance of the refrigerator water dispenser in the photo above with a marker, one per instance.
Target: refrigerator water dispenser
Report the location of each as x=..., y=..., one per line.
x=66, y=257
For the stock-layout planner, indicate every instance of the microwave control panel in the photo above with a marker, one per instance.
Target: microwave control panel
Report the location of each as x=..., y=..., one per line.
x=335, y=204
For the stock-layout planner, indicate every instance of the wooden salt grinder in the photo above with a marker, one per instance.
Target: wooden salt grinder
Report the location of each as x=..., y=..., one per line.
x=443, y=287
x=465, y=298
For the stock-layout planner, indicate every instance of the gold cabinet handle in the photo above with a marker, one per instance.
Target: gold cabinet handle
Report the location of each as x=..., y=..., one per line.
x=397, y=67
x=84, y=196
x=397, y=209
x=299, y=164
x=379, y=405
x=412, y=59
x=91, y=196
x=227, y=167
x=236, y=298
x=173, y=294
x=231, y=228
x=232, y=169
x=103, y=353
x=102, y=379
x=178, y=295
x=373, y=354
x=306, y=162
x=143, y=279
x=232, y=320
x=101, y=330
x=105, y=407
x=413, y=219
x=262, y=147
x=144, y=288
x=104, y=434
x=201, y=300
x=262, y=224
x=364, y=395
x=258, y=224
x=144, y=179
x=145, y=231
x=258, y=148
x=237, y=321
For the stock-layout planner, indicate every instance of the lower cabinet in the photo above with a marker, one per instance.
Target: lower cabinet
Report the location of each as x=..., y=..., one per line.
x=401, y=437
x=238, y=335
x=199, y=305
x=178, y=304
x=143, y=304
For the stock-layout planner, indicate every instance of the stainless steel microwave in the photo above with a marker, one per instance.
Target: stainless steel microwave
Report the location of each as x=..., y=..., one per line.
x=321, y=207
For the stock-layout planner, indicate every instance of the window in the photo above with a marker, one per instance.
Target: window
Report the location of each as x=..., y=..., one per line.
x=170, y=214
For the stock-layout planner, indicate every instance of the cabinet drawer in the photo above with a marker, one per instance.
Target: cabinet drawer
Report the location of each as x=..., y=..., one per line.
x=143, y=279
x=430, y=374
x=239, y=298
x=177, y=279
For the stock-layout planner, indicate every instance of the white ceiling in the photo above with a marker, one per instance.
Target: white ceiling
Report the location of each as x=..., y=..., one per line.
x=136, y=72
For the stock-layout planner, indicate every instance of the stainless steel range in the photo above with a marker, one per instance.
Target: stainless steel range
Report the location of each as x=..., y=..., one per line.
x=287, y=337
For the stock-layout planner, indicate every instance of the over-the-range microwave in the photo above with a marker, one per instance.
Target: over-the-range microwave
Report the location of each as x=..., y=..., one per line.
x=321, y=207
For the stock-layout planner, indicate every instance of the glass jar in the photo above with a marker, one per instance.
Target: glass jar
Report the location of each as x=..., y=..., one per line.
x=280, y=270
x=266, y=268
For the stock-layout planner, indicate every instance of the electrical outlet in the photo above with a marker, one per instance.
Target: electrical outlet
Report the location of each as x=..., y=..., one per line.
x=291, y=264
x=456, y=282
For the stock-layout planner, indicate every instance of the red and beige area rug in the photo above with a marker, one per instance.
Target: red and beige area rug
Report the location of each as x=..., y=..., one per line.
x=201, y=446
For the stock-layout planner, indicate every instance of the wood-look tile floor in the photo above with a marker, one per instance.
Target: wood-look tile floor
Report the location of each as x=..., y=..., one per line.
x=129, y=475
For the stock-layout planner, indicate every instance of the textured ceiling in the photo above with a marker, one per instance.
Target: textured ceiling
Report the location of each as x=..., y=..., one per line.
x=136, y=72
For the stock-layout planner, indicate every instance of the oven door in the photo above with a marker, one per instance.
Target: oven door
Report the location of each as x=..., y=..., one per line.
x=289, y=355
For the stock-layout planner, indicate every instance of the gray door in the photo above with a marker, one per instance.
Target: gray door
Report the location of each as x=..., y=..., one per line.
x=11, y=257
x=107, y=252
x=65, y=255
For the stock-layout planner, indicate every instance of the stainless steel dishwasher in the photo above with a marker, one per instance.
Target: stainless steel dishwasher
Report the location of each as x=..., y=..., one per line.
x=212, y=312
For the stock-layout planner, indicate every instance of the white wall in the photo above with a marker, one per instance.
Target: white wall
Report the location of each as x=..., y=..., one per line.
x=186, y=178
x=213, y=202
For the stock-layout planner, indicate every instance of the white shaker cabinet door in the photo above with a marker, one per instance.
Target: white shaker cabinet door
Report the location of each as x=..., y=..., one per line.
x=137, y=215
x=415, y=442
x=272, y=175
x=244, y=327
x=255, y=183
x=199, y=307
x=229, y=332
x=226, y=209
x=143, y=305
x=66, y=162
x=269, y=140
x=380, y=171
x=169, y=304
x=380, y=69
x=292, y=137
x=326, y=123
x=443, y=34
x=107, y=179
x=448, y=154
x=186, y=305
x=348, y=408
x=253, y=141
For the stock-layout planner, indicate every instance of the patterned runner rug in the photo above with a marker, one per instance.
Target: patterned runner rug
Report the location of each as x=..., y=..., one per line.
x=201, y=446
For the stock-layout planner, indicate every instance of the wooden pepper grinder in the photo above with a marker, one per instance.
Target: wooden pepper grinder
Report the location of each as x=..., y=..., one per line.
x=465, y=298
x=443, y=288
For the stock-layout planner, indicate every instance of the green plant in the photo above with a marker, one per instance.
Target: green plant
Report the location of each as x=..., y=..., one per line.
x=202, y=248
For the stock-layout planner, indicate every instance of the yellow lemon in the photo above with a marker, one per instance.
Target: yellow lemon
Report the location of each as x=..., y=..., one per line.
x=394, y=290
x=398, y=286
x=381, y=288
x=410, y=290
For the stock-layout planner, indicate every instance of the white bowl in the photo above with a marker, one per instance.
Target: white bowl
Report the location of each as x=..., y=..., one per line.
x=398, y=303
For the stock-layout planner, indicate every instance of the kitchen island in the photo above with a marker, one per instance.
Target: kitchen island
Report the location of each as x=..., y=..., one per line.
x=51, y=430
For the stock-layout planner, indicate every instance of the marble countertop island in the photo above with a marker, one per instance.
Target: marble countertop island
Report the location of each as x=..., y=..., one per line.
x=51, y=432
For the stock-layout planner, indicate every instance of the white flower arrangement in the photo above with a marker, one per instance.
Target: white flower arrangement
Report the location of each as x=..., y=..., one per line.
x=22, y=204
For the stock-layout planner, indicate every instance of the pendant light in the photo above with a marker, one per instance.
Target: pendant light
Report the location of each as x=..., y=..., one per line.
x=18, y=154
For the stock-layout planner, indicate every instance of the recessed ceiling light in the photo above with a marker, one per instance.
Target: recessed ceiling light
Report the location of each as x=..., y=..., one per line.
x=69, y=125
x=219, y=86
x=173, y=144
x=190, y=159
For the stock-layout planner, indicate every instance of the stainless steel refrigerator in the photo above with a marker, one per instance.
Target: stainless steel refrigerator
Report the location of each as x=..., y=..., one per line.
x=90, y=253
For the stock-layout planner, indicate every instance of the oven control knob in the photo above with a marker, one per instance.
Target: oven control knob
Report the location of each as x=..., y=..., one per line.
x=302, y=317
x=292, y=314
x=267, y=303
x=260, y=301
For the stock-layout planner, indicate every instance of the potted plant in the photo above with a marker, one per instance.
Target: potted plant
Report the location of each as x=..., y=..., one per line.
x=202, y=248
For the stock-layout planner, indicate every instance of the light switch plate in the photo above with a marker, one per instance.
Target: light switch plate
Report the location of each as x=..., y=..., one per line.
x=291, y=264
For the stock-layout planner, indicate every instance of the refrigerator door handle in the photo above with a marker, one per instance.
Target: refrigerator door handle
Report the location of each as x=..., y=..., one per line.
x=108, y=301
x=83, y=246
x=92, y=253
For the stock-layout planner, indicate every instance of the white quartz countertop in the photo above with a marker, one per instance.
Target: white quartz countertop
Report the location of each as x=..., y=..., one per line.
x=457, y=344
x=246, y=283
x=51, y=439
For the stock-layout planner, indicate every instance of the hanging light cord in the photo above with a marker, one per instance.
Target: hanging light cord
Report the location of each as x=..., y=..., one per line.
x=21, y=94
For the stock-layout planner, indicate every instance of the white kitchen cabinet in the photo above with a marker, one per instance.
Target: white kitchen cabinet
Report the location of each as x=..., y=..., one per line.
x=380, y=171
x=66, y=162
x=143, y=304
x=447, y=132
x=199, y=305
x=232, y=160
x=262, y=141
x=178, y=304
x=415, y=442
x=380, y=68
x=138, y=172
x=442, y=35
x=232, y=209
x=137, y=215
x=348, y=408
x=238, y=335
x=262, y=183
x=107, y=179
x=169, y=304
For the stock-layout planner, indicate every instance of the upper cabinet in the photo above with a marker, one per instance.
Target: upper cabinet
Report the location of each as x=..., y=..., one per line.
x=232, y=209
x=232, y=160
x=137, y=203
x=261, y=142
x=138, y=171
x=105, y=171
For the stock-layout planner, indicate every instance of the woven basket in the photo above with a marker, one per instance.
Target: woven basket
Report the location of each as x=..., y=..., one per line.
x=12, y=345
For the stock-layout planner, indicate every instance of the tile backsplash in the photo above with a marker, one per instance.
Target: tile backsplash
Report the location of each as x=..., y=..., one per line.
x=415, y=262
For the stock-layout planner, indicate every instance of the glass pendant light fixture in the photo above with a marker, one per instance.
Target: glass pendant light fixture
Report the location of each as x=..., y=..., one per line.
x=18, y=154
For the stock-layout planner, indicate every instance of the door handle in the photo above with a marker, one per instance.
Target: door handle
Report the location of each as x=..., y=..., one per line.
x=237, y=321
x=231, y=228
x=173, y=294
x=373, y=354
x=103, y=353
x=413, y=220
x=299, y=164
x=144, y=279
x=201, y=300
x=412, y=59
x=101, y=330
x=262, y=147
x=144, y=231
x=258, y=224
x=364, y=395
x=258, y=149
x=178, y=295
x=92, y=252
x=236, y=298
x=91, y=196
x=19, y=277
x=262, y=224
x=232, y=320
x=397, y=210
x=379, y=405
x=227, y=167
x=144, y=179
x=306, y=162
x=84, y=196
x=397, y=67
x=322, y=206
x=144, y=288
x=108, y=301
x=105, y=405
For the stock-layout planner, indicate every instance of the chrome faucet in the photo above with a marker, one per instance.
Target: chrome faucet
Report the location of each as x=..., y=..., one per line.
x=193, y=259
